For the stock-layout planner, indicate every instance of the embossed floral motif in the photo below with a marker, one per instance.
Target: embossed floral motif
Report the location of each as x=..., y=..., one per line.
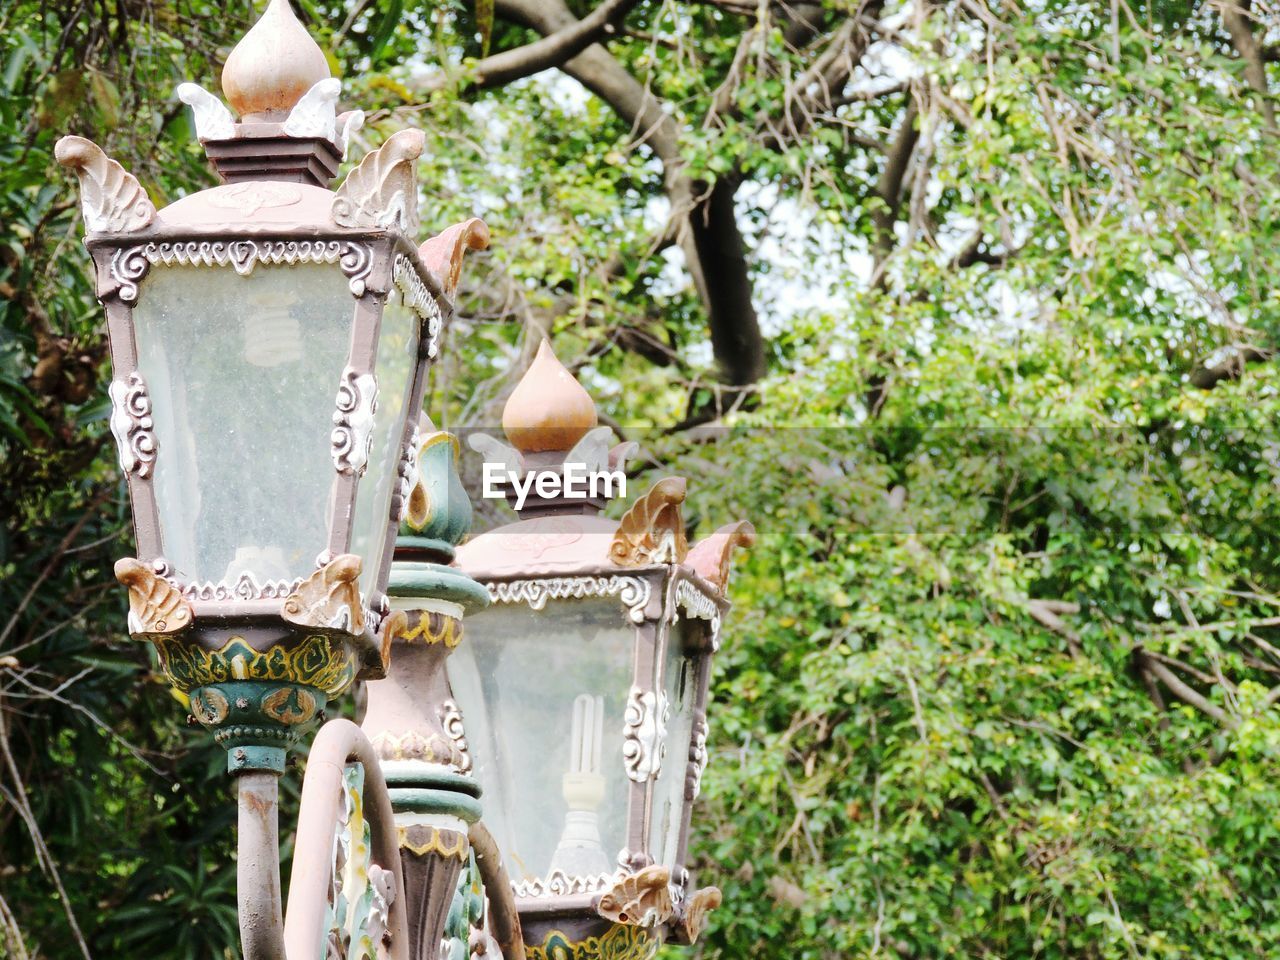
x=558, y=884
x=363, y=892
x=697, y=760
x=245, y=587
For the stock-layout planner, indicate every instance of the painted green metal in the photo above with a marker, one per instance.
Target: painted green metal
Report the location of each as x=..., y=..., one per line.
x=257, y=721
x=452, y=802
x=411, y=774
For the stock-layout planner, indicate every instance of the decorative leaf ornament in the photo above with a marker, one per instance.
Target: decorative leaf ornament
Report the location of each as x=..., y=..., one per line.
x=156, y=607
x=443, y=254
x=652, y=531
x=330, y=598
x=316, y=114
x=695, y=912
x=641, y=899
x=213, y=119
x=382, y=192
x=112, y=199
x=712, y=557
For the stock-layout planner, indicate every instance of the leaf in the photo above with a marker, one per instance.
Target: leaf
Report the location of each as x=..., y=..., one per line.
x=386, y=28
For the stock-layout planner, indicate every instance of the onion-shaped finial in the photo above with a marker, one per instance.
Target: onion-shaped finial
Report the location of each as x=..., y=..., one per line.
x=272, y=66
x=549, y=411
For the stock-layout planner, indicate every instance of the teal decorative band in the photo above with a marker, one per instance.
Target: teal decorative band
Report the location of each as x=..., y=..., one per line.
x=435, y=801
x=408, y=773
x=432, y=580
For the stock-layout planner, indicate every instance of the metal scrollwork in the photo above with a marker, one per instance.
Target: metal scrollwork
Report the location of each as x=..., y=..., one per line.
x=451, y=720
x=362, y=894
x=645, y=733
x=131, y=424
x=407, y=472
x=354, y=407
x=559, y=884
x=420, y=299
x=633, y=592
x=244, y=587
x=697, y=760
x=129, y=265
x=699, y=606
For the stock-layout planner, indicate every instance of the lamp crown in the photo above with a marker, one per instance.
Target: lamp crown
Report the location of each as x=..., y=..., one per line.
x=273, y=66
x=549, y=410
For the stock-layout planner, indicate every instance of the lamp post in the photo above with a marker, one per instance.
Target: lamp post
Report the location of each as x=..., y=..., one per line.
x=585, y=686
x=270, y=342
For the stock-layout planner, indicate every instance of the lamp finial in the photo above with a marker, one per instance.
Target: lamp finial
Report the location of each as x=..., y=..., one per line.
x=273, y=66
x=549, y=410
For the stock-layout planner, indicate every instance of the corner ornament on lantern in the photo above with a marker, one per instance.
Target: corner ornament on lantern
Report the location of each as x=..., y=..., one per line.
x=270, y=340
x=585, y=686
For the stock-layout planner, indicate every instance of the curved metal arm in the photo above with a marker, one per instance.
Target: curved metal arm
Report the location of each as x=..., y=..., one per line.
x=338, y=743
x=497, y=887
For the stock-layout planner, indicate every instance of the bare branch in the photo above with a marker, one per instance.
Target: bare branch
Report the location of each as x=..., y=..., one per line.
x=1182, y=691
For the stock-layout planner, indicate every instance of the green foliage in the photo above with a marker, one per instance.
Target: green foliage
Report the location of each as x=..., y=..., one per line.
x=1001, y=677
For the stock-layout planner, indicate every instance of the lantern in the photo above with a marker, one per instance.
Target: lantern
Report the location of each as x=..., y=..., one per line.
x=584, y=684
x=270, y=339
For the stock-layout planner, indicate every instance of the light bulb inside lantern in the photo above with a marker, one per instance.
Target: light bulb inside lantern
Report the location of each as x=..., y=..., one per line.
x=580, y=852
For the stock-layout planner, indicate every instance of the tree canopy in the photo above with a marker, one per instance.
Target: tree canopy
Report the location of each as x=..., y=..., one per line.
x=969, y=306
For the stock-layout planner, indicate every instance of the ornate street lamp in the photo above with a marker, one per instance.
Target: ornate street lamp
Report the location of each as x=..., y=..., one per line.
x=270, y=340
x=584, y=686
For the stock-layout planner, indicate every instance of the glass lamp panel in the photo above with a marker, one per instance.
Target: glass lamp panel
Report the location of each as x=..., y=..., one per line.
x=239, y=369
x=543, y=694
x=678, y=684
x=395, y=362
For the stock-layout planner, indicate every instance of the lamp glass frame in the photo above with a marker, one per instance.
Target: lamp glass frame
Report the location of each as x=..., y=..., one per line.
x=652, y=602
x=376, y=263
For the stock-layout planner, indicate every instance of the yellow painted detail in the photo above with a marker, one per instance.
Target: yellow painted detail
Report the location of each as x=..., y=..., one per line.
x=621, y=942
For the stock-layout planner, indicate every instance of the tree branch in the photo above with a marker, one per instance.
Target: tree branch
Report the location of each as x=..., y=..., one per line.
x=1232, y=368
x=1235, y=18
x=1182, y=691
x=553, y=50
x=704, y=220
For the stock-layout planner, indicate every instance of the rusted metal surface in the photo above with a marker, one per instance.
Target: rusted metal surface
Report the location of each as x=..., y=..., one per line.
x=504, y=921
x=258, y=867
x=338, y=743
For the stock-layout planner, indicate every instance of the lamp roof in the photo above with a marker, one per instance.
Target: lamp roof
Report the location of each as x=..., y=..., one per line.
x=273, y=65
